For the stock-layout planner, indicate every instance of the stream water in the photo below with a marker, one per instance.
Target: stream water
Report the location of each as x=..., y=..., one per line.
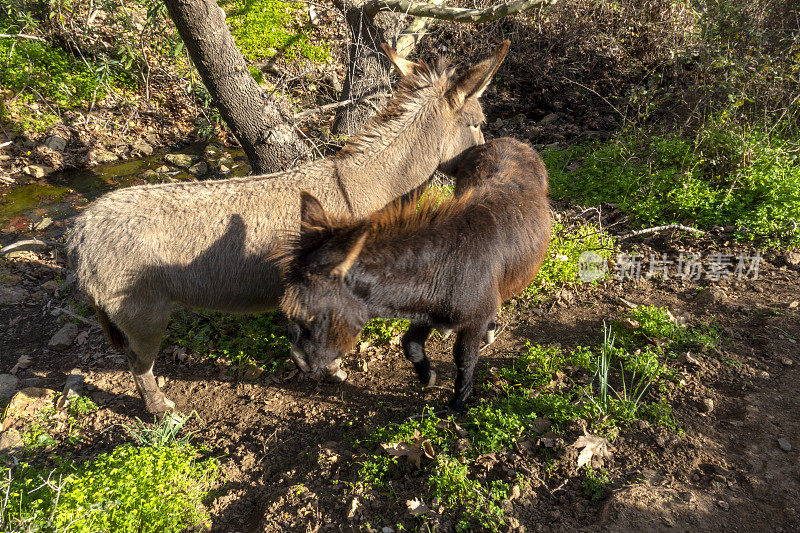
x=40, y=207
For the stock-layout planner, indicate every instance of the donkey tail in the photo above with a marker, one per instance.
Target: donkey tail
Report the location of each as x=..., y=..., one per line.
x=114, y=335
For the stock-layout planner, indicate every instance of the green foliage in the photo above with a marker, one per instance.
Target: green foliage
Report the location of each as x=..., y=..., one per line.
x=726, y=175
x=81, y=406
x=265, y=28
x=162, y=432
x=380, y=331
x=452, y=484
x=131, y=489
x=560, y=267
x=657, y=323
x=595, y=482
x=241, y=339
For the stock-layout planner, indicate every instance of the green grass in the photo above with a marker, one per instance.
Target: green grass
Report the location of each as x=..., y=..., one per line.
x=131, y=489
x=381, y=331
x=609, y=385
x=727, y=176
x=266, y=28
x=238, y=339
x=560, y=267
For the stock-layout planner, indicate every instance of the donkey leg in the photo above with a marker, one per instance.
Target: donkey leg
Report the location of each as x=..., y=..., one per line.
x=465, y=353
x=141, y=350
x=491, y=328
x=414, y=349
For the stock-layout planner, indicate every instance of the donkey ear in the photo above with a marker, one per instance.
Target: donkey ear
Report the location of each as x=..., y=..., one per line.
x=311, y=211
x=474, y=81
x=403, y=66
x=342, y=268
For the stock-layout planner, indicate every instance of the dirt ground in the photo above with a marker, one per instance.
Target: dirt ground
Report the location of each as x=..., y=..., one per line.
x=286, y=443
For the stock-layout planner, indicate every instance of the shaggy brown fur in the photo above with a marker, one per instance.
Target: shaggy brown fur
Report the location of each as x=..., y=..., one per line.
x=138, y=251
x=449, y=266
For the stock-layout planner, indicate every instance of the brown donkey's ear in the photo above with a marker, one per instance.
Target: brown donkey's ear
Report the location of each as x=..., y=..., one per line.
x=311, y=211
x=343, y=267
x=403, y=66
x=474, y=81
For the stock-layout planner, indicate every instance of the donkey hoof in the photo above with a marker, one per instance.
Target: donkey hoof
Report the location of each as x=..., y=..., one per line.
x=489, y=337
x=159, y=404
x=338, y=376
x=431, y=380
x=446, y=333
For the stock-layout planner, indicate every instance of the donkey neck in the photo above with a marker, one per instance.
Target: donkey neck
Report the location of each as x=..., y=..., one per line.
x=397, y=162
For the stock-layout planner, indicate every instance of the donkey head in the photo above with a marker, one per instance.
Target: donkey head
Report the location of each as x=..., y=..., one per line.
x=324, y=316
x=456, y=122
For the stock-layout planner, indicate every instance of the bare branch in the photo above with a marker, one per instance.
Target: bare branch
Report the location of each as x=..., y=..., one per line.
x=413, y=33
x=20, y=36
x=659, y=228
x=455, y=14
x=334, y=105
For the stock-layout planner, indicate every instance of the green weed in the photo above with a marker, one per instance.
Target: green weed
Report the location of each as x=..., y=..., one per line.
x=725, y=176
x=380, y=331
x=595, y=482
x=164, y=432
x=131, y=489
x=81, y=406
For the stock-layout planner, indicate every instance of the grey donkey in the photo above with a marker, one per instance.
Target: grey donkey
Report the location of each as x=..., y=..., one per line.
x=139, y=251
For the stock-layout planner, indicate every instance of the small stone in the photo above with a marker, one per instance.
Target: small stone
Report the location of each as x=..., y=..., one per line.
x=150, y=175
x=181, y=160
x=199, y=169
x=387, y=529
x=764, y=374
x=224, y=169
x=11, y=441
x=43, y=224
x=161, y=381
x=794, y=304
x=787, y=361
x=12, y=295
x=56, y=143
x=793, y=258
x=784, y=444
x=548, y=119
x=724, y=505
x=498, y=123
x=142, y=148
x=101, y=156
x=363, y=346
x=164, y=169
x=252, y=373
x=8, y=386
x=63, y=338
x=515, y=493
x=711, y=296
x=706, y=405
x=73, y=387
x=37, y=171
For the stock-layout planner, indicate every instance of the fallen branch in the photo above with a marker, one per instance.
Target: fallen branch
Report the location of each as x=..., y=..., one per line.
x=659, y=228
x=21, y=36
x=455, y=14
x=413, y=33
x=334, y=105
x=76, y=316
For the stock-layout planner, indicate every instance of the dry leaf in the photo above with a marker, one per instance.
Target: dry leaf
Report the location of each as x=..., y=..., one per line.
x=412, y=451
x=22, y=363
x=82, y=337
x=416, y=507
x=355, y=508
x=595, y=449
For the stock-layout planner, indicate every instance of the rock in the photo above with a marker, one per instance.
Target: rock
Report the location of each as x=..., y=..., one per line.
x=711, y=296
x=706, y=405
x=26, y=403
x=56, y=143
x=387, y=529
x=517, y=119
x=64, y=337
x=12, y=295
x=199, y=169
x=8, y=386
x=548, y=119
x=724, y=505
x=150, y=175
x=793, y=304
x=793, y=258
x=74, y=385
x=181, y=160
x=764, y=374
x=43, y=224
x=252, y=373
x=784, y=444
x=37, y=171
x=142, y=148
x=100, y=156
x=164, y=169
x=515, y=493
x=11, y=441
x=224, y=169
x=787, y=361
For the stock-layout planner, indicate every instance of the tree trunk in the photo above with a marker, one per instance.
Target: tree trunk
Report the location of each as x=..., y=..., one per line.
x=367, y=80
x=260, y=123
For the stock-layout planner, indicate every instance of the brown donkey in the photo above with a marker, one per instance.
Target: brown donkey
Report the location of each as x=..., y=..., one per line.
x=138, y=251
x=441, y=267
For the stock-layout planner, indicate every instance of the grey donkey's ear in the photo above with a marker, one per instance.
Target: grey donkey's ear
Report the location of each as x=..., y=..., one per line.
x=311, y=211
x=403, y=66
x=474, y=81
x=342, y=268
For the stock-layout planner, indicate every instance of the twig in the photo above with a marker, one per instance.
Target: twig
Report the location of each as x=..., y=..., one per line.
x=21, y=36
x=659, y=228
x=454, y=14
x=323, y=108
x=76, y=316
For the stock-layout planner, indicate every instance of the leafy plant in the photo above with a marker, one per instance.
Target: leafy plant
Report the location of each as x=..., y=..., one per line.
x=162, y=432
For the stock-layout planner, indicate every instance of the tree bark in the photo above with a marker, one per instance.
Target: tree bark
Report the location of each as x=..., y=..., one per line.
x=260, y=123
x=366, y=83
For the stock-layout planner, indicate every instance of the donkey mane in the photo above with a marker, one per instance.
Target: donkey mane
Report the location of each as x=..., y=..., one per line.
x=407, y=97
